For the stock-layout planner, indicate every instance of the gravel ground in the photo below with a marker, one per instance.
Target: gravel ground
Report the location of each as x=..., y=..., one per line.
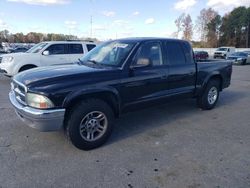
x=172, y=145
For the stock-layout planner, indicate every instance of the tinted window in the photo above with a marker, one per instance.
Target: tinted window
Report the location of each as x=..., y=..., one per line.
x=175, y=53
x=90, y=46
x=150, y=51
x=56, y=49
x=75, y=49
x=189, y=53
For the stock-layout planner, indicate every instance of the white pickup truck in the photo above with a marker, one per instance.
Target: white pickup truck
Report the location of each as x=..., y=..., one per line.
x=44, y=54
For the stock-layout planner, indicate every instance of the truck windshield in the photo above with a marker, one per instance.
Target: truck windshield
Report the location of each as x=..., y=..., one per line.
x=112, y=53
x=37, y=48
x=221, y=49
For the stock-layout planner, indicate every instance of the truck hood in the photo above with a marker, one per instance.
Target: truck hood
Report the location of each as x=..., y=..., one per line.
x=49, y=74
x=18, y=56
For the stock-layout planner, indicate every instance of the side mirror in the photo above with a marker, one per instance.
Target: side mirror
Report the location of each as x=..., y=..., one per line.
x=142, y=62
x=46, y=52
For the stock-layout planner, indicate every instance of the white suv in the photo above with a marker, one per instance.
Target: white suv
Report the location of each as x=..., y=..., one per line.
x=224, y=52
x=44, y=54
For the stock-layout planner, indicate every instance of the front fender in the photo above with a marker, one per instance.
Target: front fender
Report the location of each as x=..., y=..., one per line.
x=91, y=91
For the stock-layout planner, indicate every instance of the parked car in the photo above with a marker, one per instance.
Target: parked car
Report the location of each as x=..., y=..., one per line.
x=20, y=49
x=224, y=52
x=240, y=58
x=114, y=77
x=44, y=54
x=248, y=52
x=201, y=55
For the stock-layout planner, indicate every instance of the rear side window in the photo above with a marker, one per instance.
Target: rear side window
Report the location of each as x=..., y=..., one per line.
x=90, y=46
x=189, y=53
x=75, y=49
x=175, y=53
x=56, y=49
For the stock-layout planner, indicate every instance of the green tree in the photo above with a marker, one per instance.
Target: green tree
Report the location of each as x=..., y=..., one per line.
x=235, y=28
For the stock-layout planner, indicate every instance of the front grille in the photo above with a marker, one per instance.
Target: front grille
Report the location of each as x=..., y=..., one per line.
x=1, y=59
x=19, y=91
x=218, y=53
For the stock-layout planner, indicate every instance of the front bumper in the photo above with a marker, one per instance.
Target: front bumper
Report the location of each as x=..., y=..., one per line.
x=6, y=69
x=43, y=120
x=220, y=56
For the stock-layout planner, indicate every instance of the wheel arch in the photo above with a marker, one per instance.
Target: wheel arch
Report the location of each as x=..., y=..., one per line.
x=213, y=76
x=110, y=96
x=28, y=65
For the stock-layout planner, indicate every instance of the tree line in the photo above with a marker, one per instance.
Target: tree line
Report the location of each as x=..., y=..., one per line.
x=33, y=37
x=213, y=30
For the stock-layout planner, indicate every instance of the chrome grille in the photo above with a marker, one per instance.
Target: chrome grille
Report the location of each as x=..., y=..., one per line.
x=19, y=91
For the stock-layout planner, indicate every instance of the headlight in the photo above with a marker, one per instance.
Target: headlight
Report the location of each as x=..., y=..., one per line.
x=38, y=101
x=7, y=59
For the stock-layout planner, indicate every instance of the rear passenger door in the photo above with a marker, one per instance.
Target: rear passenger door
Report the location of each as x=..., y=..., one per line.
x=182, y=68
x=75, y=51
x=57, y=55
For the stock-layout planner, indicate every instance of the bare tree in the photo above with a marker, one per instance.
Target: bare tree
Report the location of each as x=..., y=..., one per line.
x=205, y=17
x=178, y=23
x=187, y=28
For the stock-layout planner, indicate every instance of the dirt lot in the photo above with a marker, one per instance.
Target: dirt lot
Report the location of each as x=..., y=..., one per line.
x=173, y=145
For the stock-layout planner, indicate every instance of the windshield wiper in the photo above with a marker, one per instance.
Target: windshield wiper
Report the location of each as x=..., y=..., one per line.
x=80, y=60
x=92, y=61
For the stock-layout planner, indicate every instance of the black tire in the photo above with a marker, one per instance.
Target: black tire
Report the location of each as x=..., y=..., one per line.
x=77, y=116
x=244, y=62
x=204, y=101
x=27, y=67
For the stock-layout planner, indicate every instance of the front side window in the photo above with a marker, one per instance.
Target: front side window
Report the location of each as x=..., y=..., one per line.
x=56, y=49
x=149, y=53
x=111, y=53
x=75, y=49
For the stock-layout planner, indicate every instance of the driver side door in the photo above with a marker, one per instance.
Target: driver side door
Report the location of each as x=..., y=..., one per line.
x=147, y=75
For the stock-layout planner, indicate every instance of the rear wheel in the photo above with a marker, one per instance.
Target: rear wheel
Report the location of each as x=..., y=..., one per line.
x=89, y=124
x=210, y=96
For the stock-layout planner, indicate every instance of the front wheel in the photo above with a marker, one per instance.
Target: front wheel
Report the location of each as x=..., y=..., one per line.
x=210, y=96
x=89, y=124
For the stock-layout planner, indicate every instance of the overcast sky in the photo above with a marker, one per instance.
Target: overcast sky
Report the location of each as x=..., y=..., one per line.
x=111, y=18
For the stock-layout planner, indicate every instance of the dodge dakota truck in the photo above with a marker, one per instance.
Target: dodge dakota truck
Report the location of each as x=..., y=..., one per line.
x=84, y=98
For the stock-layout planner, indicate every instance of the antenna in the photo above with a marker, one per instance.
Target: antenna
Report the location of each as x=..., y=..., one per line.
x=91, y=18
x=91, y=25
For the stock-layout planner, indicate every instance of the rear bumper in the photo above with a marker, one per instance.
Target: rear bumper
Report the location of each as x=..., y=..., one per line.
x=42, y=120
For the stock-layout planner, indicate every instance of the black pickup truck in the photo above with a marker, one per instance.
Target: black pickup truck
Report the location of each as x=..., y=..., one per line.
x=85, y=97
